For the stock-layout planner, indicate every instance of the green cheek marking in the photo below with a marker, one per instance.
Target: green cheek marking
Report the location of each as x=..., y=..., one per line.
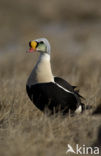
x=42, y=47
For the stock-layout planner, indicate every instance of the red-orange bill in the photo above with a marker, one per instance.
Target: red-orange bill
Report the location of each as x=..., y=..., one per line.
x=31, y=50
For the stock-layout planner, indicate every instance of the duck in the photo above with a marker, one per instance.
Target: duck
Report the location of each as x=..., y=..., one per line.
x=49, y=93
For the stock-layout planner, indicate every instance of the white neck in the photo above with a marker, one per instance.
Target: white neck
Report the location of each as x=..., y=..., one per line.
x=44, y=56
x=42, y=72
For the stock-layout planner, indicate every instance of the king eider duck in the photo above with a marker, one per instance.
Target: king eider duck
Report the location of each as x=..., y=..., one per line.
x=46, y=91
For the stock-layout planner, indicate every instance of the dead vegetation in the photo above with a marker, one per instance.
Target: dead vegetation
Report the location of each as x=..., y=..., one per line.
x=24, y=130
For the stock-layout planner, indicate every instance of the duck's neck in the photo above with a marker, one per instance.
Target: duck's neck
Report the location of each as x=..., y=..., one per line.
x=42, y=71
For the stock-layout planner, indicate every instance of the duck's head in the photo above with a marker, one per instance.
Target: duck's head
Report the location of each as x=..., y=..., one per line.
x=39, y=45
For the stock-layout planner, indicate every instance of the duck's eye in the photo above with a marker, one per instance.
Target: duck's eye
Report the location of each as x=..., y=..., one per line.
x=41, y=42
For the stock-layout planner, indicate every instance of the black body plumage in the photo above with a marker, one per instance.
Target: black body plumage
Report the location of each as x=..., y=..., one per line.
x=57, y=96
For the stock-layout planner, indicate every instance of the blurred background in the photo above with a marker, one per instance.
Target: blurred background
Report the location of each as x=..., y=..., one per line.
x=73, y=28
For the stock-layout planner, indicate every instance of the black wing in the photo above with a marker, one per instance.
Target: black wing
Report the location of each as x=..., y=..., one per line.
x=64, y=84
x=67, y=86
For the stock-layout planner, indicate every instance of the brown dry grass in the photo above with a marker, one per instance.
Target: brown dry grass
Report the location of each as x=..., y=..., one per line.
x=24, y=130
x=74, y=29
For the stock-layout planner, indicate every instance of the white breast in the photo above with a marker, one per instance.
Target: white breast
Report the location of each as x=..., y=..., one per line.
x=42, y=72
